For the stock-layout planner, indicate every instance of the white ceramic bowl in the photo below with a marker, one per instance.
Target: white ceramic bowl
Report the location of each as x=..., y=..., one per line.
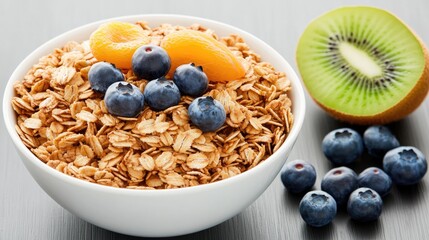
x=157, y=213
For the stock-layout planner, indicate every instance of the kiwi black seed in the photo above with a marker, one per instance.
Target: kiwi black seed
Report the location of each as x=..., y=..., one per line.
x=333, y=52
x=363, y=65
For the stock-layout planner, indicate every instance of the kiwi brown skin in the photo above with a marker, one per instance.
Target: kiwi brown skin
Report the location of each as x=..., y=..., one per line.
x=402, y=109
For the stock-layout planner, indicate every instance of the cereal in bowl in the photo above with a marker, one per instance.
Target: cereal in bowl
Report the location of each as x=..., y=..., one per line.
x=66, y=123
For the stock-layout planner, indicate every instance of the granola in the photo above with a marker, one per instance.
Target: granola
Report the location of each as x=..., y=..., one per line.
x=66, y=124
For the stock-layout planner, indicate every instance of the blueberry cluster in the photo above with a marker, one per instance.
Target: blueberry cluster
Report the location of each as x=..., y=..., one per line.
x=152, y=63
x=342, y=187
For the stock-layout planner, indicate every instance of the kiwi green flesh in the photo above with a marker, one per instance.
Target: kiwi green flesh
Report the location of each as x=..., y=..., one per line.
x=359, y=61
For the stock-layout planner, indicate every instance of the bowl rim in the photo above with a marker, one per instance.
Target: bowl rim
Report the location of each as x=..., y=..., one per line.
x=298, y=108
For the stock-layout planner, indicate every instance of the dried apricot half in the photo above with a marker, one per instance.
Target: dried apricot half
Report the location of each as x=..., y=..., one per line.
x=116, y=42
x=217, y=60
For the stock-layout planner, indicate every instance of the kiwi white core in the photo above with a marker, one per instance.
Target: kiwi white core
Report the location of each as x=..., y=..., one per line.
x=360, y=60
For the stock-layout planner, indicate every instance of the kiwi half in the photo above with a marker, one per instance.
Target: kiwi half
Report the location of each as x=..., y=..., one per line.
x=363, y=65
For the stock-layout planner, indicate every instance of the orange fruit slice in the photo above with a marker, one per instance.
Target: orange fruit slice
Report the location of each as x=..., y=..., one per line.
x=189, y=46
x=116, y=42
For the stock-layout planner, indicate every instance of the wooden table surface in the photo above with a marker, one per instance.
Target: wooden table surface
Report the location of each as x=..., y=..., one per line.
x=26, y=212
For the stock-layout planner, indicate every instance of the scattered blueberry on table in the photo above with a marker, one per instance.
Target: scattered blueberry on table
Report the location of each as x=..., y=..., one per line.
x=364, y=205
x=102, y=74
x=379, y=140
x=376, y=179
x=317, y=208
x=405, y=165
x=342, y=146
x=298, y=176
x=124, y=99
x=339, y=183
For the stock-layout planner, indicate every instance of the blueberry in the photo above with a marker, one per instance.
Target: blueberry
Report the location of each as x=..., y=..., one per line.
x=405, y=165
x=150, y=62
x=342, y=146
x=298, y=176
x=378, y=140
x=317, y=208
x=161, y=94
x=364, y=205
x=191, y=80
x=102, y=74
x=340, y=182
x=207, y=114
x=124, y=99
x=376, y=179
